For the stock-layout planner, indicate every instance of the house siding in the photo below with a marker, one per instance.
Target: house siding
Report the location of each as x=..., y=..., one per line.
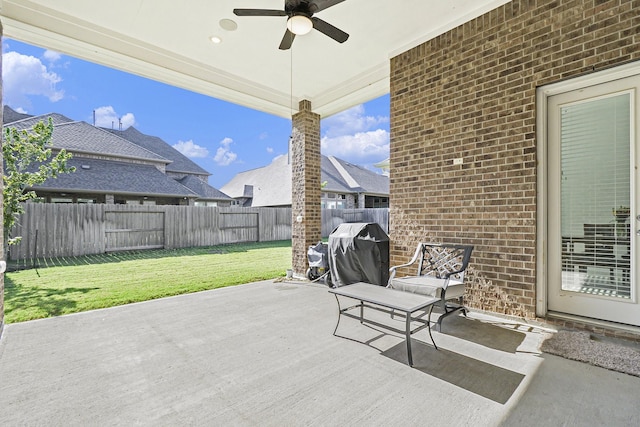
x=470, y=94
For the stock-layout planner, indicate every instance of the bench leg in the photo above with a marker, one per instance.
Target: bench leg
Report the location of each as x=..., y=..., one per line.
x=448, y=311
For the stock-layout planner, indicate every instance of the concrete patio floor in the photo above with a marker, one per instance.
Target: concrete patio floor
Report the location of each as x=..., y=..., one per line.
x=264, y=354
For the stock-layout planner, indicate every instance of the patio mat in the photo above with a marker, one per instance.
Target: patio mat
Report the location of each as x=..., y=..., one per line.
x=484, y=379
x=483, y=333
x=614, y=354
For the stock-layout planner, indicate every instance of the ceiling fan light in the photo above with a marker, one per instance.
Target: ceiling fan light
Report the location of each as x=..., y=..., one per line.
x=299, y=25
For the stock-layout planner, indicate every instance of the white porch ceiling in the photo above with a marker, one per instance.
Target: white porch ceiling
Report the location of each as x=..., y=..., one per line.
x=169, y=41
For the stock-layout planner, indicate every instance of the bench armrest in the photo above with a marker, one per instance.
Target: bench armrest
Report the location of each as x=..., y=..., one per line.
x=392, y=270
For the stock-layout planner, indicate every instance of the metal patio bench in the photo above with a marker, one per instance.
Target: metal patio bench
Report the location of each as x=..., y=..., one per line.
x=440, y=272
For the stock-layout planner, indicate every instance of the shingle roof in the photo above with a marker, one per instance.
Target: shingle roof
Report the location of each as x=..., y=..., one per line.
x=106, y=176
x=29, y=121
x=10, y=115
x=81, y=136
x=202, y=189
x=272, y=183
x=366, y=180
x=330, y=175
x=179, y=162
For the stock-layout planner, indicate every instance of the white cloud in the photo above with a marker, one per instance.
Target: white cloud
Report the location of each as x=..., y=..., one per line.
x=189, y=149
x=51, y=56
x=353, y=136
x=351, y=121
x=270, y=150
x=360, y=148
x=224, y=156
x=108, y=118
x=25, y=76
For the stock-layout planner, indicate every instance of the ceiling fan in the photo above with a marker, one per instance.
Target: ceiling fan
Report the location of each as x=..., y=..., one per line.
x=300, y=19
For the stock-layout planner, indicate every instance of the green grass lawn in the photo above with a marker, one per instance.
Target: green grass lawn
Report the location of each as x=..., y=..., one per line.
x=70, y=285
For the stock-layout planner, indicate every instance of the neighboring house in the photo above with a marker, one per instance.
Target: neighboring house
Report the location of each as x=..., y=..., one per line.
x=123, y=167
x=345, y=185
x=181, y=168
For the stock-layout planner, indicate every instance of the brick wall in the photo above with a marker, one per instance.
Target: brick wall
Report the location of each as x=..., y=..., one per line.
x=470, y=94
x=306, y=185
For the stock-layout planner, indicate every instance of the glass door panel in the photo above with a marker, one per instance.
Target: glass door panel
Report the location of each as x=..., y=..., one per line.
x=595, y=196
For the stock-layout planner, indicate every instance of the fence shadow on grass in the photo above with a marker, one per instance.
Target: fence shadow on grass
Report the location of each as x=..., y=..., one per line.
x=53, y=302
x=113, y=257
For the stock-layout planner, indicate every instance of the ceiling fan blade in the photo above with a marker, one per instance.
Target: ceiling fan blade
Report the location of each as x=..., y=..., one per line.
x=318, y=5
x=329, y=30
x=259, y=12
x=287, y=40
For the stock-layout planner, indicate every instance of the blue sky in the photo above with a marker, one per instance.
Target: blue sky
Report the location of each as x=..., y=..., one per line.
x=221, y=137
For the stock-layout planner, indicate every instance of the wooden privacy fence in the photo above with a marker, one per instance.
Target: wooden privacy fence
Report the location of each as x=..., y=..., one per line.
x=57, y=230
x=331, y=218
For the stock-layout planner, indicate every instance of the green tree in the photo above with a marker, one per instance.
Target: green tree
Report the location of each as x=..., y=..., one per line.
x=27, y=162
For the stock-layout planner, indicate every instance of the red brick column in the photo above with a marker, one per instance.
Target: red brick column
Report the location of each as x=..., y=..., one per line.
x=305, y=186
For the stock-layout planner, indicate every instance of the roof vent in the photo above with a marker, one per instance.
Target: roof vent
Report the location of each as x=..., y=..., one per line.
x=86, y=166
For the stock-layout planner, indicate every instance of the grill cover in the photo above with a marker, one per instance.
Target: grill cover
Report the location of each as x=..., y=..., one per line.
x=359, y=252
x=317, y=255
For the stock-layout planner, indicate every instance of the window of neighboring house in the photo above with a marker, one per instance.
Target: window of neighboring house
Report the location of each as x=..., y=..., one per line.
x=376, y=202
x=61, y=200
x=149, y=202
x=83, y=200
x=209, y=204
x=132, y=202
x=333, y=201
x=339, y=204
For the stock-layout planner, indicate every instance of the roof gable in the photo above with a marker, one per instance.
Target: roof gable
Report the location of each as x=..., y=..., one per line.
x=179, y=162
x=30, y=121
x=361, y=179
x=202, y=189
x=271, y=184
x=10, y=115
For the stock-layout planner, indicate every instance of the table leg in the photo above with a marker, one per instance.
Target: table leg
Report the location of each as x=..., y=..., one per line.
x=429, y=327
x=339, y=314
x=408, y=333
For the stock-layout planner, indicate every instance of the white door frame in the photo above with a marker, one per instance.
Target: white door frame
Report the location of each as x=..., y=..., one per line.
x=542, y=95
